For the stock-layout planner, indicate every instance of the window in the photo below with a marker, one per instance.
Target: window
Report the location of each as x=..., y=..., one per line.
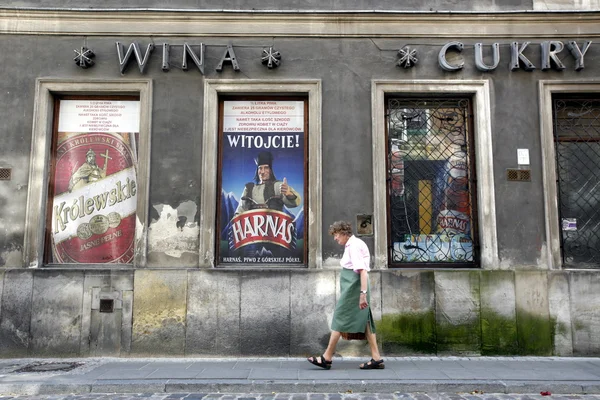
x=217, y=90
x=93, y=185
x=562, y=121
x=431, y=178
x=577, y=147
x=482, y=197
x=72, y=215
x=262, y=175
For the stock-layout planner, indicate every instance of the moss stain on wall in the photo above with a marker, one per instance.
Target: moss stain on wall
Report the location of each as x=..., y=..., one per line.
x=498, y=335
x=464, y=338
x=414, y=332
x=535, y=334
x=418, y=333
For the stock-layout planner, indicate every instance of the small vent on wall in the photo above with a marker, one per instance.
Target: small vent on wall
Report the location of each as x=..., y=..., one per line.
x=518, y=175
x=5, y=174
x=107, y=305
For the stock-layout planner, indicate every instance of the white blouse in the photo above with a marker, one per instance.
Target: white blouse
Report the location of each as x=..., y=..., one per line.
x=356, y=255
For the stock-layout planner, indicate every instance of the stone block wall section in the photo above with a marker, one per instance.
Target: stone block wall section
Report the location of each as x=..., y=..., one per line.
x=161, y=312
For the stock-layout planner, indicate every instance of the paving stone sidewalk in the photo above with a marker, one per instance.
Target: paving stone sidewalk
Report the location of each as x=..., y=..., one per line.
x=430, y=375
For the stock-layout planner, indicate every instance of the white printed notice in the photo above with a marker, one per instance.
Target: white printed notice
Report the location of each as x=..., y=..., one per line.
x=263, y=116
x=99, y=116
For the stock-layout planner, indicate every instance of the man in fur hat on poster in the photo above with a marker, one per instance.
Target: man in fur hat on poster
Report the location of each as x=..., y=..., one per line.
x=266, y=191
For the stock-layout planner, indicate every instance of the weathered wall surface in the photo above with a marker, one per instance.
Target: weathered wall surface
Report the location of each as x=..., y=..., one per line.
x=498, y=313
x=345, y=66
x=159, y=312
x=173, y=308
x=412, y=5
x=287, y=313
x=385, y=5
x=15, y=313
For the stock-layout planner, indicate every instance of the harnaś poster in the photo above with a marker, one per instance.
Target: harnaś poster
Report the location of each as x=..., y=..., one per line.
x=261, y=214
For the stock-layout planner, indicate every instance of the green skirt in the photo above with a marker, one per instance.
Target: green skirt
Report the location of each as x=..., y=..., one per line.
x=348, y=317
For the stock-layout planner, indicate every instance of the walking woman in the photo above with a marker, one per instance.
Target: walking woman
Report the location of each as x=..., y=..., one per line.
x=352, y=318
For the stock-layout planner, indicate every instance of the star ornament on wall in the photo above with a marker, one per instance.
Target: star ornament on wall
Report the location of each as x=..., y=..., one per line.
x=271, y=58
x=408, y=57
x=84, y=57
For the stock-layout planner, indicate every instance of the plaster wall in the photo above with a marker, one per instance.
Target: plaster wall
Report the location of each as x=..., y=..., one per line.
x=346, y=68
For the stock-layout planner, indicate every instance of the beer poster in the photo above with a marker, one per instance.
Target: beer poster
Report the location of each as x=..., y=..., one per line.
x=95, y=182
x=261, y=218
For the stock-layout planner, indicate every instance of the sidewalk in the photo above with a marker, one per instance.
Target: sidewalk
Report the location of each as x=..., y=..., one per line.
x=295, y=375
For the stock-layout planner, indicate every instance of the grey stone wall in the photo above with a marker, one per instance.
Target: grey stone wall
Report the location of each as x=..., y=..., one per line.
x=15, y=312
x=287, y=313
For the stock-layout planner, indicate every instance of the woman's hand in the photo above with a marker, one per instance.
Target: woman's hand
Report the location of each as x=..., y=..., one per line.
x=362, y=303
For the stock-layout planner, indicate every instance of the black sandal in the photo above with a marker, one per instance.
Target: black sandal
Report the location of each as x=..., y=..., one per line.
x=372, y=364
x=323, y=364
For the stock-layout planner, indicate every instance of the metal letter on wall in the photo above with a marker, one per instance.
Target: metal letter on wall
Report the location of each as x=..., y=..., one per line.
x=95, y=182
x=187, y=51
x=166, y=57
x=516, y=57
x=550, y=49
x=442, y=56
x=133, y=48
x=228, y=56
x=479, y=57
x=198, y=59
x=578, y=54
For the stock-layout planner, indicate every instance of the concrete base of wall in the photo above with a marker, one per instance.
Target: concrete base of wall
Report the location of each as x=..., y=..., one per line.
x=161, y=312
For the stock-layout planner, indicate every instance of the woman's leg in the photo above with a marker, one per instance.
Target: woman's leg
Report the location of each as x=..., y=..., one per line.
x=334, y=338
x=329, y=352
x=372, y=339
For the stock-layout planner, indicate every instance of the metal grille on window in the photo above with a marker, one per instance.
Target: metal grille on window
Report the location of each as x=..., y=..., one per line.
x=577, y=143
x=429, y=183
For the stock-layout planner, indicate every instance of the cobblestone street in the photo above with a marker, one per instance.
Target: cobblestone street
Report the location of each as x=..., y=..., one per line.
x=306, y=396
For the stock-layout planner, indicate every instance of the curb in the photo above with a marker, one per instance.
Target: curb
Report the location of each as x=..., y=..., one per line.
x=294, y=386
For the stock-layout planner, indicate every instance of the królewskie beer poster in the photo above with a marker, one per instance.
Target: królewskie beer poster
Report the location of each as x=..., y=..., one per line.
x=261, y=213
x=95, y=182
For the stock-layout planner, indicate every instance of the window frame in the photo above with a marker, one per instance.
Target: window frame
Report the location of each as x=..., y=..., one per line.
x=486, y=210
x=269, y=97
x=214, y=90
x=435, y=102
x=553, y=255
x=46, y=91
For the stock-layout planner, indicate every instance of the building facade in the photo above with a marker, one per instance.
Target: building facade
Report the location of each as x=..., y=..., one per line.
x=169, y=172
